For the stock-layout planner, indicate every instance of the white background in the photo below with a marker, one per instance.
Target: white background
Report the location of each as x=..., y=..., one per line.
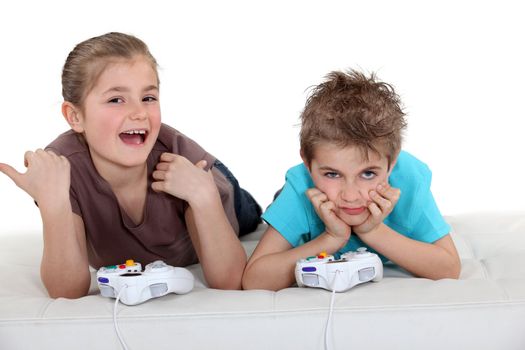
x=234, y=77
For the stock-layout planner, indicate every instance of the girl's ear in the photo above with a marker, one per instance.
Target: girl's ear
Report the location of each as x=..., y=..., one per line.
x=73, y=116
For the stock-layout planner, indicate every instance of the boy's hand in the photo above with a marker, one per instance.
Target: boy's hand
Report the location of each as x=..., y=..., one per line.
x=47, y=178
x=384, y=199
x=177, y=176
x=334, y=226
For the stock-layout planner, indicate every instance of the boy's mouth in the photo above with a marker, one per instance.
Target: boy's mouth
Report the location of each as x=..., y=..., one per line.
x=354, y=211
x=134, y=137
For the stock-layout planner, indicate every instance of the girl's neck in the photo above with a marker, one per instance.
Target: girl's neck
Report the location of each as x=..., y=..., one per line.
x=121, y=177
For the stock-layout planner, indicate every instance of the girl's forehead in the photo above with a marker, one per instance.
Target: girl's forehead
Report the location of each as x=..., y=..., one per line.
x=128, y=71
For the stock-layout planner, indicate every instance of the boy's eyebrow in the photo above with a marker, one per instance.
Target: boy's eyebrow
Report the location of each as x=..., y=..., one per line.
x=326, y=167
x=329, y=168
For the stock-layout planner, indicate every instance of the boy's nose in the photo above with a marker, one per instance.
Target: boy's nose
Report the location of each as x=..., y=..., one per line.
x=351, y=194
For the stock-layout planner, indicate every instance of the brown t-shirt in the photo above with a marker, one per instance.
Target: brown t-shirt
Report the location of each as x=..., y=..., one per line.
x=112, y=237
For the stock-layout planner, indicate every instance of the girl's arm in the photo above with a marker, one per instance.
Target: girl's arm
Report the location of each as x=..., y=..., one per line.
x=64, y=268
x=272, y=264
x=429, y=260
x=219, y=250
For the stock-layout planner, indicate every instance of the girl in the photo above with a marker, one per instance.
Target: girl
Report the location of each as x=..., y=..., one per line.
x=121, y=185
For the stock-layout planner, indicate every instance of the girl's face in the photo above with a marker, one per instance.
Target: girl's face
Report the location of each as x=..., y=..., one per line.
x=121, y=115
x=347, y=178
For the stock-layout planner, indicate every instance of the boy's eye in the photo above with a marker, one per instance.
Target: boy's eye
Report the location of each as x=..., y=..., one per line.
x=368, y=175
x=331, y=174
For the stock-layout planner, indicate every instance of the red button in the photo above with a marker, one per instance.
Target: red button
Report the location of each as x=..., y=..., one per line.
x=122, y=266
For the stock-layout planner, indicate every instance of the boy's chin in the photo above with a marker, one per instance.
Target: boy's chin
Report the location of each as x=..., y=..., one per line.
x=354, y=220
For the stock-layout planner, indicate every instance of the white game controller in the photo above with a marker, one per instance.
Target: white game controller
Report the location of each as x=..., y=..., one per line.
x=354, y=268
x=135, y=286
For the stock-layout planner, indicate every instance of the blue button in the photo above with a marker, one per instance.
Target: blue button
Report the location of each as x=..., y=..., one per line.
x=103, y=280
x=309, y=269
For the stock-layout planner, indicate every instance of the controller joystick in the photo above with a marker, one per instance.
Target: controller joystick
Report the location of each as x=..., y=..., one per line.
x=135, y=286
x=353, y=268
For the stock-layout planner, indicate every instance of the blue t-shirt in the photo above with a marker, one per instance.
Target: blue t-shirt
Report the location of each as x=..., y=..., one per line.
x=415, y=215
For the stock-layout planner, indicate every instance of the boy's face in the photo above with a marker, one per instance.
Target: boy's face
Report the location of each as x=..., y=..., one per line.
x=346, y=177
x=121, y=115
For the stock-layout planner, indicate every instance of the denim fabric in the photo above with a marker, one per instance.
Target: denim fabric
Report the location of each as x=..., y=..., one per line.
x=247, y=210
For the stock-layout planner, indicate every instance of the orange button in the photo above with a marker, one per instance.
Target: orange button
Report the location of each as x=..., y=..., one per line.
x=130, y=262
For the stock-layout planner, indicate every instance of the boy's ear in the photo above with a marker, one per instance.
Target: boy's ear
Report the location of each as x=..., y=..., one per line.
x=392, y=164
x=305, y=161
x=73, y=116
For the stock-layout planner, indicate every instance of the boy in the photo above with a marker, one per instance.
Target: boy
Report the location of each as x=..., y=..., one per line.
x=354, y=188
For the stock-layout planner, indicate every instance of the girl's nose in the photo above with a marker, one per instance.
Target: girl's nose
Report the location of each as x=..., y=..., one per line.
x=139, y=112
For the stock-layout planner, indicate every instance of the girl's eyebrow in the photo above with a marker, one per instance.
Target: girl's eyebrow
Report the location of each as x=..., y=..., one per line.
x=125, y=89
x=151, y=87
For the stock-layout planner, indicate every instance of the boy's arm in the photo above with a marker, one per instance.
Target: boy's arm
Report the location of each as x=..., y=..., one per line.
x=429, y=260
x=272, y=264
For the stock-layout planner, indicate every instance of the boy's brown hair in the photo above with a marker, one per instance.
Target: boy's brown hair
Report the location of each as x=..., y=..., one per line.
x=351, y=109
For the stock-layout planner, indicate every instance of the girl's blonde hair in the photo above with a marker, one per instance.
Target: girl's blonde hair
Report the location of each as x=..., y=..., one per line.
x=86, y=62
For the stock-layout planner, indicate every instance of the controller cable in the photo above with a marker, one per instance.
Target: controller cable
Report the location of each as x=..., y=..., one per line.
x=121, y=340
x=328, y=327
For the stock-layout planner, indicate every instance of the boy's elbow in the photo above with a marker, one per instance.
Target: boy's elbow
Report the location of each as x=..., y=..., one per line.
x=455, y=270
x=452, y=271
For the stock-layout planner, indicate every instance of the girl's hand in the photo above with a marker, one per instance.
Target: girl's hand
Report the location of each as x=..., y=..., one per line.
x=177, y=176
x=384, y=199
x=47, y=178
x=324, y=208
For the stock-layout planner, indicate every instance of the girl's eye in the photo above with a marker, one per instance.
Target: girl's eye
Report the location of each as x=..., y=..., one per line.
x=368, y=175
x=116, y=100
x=331, y=175
x=149, y=99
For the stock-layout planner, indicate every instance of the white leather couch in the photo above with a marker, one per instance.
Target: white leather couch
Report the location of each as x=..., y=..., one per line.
x=483, y=310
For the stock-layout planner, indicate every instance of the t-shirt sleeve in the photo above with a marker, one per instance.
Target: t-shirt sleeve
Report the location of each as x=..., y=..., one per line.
x=428, y=223
x=288, y=214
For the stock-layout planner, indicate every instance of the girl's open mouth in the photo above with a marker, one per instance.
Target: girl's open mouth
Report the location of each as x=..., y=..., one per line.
x=133, y=137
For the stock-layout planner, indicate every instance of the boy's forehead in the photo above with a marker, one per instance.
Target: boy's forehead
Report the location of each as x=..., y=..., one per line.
x=351, y=155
